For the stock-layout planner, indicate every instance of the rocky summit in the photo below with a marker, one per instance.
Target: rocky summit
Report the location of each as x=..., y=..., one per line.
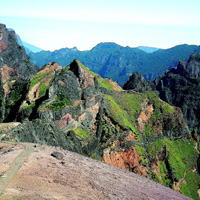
x=180, y=87
x=76, y=109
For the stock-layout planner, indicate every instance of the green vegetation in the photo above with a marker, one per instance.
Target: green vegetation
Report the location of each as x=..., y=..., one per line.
x=130, y=104
x=60, y=102
x=119, y=115
x=103, y=82
x=154, y=147
x=148, y=130
x=38, y=78
x=156, y=178
x=182, y=156
x=164, y=174
x=83, y=133
x=94, y=155
x=191, y=186
x=105, y=131
x=43, y=88
x=28, y=106
x=67, y=67
x=16, y=92
x=180, y=161
x=160, y=108
x=142, y=152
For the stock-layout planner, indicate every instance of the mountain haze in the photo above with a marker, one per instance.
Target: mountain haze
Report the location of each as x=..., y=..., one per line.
x=148, y=49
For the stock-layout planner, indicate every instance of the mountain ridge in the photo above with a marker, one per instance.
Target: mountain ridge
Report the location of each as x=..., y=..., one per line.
x=118, y=63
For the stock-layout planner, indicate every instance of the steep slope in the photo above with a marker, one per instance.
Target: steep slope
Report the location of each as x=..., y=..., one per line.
x=78, y=110
x=13, y=55
x=113, y=61
x=180, y=87
x=73, y=177
x=15, y=71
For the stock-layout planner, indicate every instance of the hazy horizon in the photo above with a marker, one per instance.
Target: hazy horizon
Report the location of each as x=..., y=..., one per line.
x=52, y=25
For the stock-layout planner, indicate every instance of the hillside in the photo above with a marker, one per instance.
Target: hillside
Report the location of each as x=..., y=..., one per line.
x=118, y=63
x=43, y=177
x=76, y=109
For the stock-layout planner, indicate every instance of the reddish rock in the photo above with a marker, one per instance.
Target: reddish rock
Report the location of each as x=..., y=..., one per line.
x=64, y=120
x=6, y=73
x=144, y=116
x=127, y=159
x=87, y=78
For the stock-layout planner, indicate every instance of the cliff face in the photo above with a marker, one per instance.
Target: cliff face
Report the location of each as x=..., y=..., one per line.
x=180, y=87
x=138, y=83
x=13, y=55
x=15, y=71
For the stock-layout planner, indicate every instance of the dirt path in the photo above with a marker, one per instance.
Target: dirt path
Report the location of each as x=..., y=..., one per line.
x=8, y=176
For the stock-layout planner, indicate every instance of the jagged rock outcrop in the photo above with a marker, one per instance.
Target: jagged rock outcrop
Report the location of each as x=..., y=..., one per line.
x=180, y=87
x=15, y=72
x=13, y=55
x=30, y=131
x=138, y=83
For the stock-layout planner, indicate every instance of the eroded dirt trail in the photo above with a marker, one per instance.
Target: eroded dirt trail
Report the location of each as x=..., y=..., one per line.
x=8, y=176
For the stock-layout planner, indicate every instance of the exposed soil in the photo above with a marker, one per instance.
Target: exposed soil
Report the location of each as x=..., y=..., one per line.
x=44, y=177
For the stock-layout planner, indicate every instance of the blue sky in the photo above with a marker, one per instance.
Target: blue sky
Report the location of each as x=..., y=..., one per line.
x=57, y=24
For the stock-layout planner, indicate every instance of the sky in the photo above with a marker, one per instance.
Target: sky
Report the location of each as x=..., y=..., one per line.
x=55, y=24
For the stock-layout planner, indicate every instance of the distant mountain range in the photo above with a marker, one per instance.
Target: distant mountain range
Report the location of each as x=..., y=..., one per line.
x=118, y=63
x=30, y=47
x=148, y=49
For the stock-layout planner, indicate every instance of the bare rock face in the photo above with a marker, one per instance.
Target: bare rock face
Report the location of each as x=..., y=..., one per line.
x=138, y=83
x=13, y=55
x=127, y=159
x=40, y=82
x=15, y=72
x=180, y=87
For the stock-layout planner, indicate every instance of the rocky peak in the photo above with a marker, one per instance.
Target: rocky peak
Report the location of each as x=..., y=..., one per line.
x=193, y=66
x=180, y=87
x=190, y=69
x=13, y=55
x=138, y=83
x=84, y=77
